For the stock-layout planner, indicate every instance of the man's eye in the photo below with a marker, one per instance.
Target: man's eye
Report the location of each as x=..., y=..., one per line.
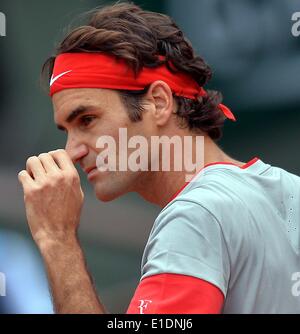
x=86, y=120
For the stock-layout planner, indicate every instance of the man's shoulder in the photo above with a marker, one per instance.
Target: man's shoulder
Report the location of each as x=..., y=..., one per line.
x=212, y=193
x=221, y=193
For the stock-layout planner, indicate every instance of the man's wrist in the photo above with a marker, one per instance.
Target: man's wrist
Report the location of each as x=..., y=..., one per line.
x=53, y=245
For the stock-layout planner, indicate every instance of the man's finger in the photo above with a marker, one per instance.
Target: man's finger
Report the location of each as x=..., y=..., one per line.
x=62, y=159
x=48, y=163
x=35, y=168
x=25, y=179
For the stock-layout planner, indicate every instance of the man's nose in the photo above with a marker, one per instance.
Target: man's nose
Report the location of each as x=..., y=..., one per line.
x=76, y=150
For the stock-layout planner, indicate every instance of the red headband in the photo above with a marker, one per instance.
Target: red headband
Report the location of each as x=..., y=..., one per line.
x=99, y=70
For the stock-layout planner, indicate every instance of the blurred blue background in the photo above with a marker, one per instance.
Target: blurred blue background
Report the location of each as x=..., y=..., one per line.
x=256, y=66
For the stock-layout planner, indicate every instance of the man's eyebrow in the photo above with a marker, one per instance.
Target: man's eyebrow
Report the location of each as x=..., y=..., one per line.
x=76, y=113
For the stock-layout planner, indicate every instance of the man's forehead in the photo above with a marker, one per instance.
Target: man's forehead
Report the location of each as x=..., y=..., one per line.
x=72, y=97
x=69, y=100
x=83, y=96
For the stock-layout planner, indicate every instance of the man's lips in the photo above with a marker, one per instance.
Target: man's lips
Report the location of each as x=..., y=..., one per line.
x=89, y=169
x=92, y=172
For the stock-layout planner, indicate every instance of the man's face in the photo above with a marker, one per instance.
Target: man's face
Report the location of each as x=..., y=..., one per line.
x=86, y=115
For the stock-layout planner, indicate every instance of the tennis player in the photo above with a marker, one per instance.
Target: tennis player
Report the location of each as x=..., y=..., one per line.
x=226, y=242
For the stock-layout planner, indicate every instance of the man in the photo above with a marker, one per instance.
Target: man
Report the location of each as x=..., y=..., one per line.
x=227, y=241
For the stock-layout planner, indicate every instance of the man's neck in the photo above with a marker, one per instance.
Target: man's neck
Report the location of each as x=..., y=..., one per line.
x=160, y=187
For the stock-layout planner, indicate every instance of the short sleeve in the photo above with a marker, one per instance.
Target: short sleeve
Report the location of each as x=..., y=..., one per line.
x=187, y=239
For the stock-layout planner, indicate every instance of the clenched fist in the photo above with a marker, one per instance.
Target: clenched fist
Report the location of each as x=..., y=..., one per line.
x=53, y=197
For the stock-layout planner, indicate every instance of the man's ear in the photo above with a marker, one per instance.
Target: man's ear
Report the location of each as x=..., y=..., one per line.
x=160, y=97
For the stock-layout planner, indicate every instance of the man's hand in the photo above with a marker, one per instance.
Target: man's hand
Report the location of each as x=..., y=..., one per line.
x=53, y=197
x=53, y=200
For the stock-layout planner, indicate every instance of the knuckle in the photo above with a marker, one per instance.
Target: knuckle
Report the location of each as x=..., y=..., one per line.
x=43, y=155
x=57, y=178
x=59, y=152
x=46, y=185
x=32, y=192
x=31, y=160
x=71, y=177
x=74, y=176
x=21, y=173
x=53, y=153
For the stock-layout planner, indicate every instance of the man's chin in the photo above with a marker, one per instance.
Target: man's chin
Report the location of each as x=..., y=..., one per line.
x=106, y=196
x=111, y=187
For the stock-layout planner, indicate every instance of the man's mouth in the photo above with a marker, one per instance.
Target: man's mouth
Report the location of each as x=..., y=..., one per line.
x=91, y=172
x=89, y=169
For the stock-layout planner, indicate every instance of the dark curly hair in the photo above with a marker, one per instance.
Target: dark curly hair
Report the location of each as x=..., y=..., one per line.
x=137, y=36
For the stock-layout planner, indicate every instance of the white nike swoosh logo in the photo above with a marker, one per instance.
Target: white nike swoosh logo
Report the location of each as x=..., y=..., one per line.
x=57, y=77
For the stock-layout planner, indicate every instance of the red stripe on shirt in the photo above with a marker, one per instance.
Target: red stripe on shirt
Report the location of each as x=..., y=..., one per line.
x=176, y=294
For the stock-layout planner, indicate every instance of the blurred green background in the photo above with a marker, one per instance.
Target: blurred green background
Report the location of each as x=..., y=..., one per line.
x=256, y=65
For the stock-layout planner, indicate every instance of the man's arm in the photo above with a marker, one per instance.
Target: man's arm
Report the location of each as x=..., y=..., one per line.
x=71, y=285
x=53, y=200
